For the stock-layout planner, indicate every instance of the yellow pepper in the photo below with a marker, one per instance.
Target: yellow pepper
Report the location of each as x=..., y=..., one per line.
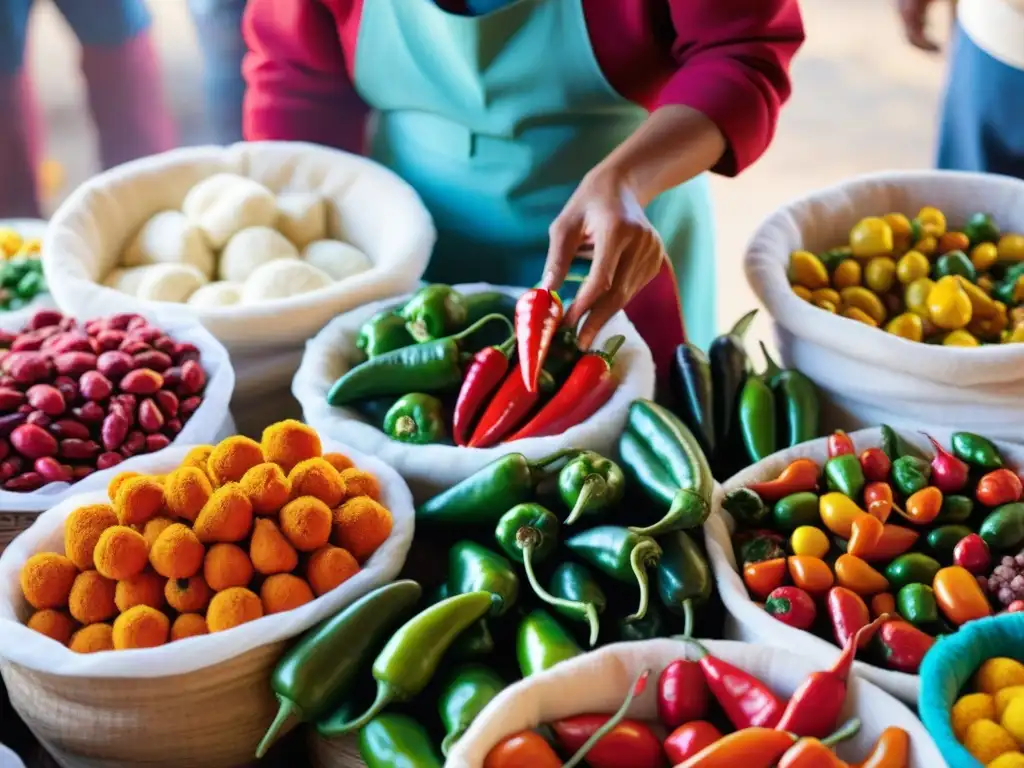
x=1003, y=697
x=913, y=265
x=826, y=294
x=1011, y=248
x=908, y=325
x=807, y=270
x=871, y=236
x=960, y=338
x=827, y=305
x=969, y=709
x=802, y=292
x=927, y=245
x=10, y=241
x=900, y=226
x=1008, y=760
x=998, y=673
x=1013, y=720
x=932, y=221
x=986, y=740
x=847, y=274
x=982, y=305
x=838, y=512
x=916, y=296
x=880, y=274
x=949, y=306
x=1016, y=336
x=856, y=575
x=986, y=284
x=983, y=256
x=865, y=301
x=959, y=597
x=809, y=541
x=854, y=313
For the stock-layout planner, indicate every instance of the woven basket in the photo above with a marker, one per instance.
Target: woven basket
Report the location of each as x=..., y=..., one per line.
x=13, y=523
x=342, y=752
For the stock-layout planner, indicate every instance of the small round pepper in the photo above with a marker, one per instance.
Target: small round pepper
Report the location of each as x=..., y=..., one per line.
x=416, y=418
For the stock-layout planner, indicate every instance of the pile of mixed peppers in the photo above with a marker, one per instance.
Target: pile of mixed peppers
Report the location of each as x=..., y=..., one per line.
x=21, y=270
x=886, y=531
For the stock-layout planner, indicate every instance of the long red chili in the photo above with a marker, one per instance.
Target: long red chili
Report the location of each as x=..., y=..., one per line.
x=815, y=706
x=538, y=315
x=508, y=408
x=682, y=693
x=746, y=701
x=589, y=386
x=483, y=376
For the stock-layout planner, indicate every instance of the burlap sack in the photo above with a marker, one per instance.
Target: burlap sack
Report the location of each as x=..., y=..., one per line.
x=203, y=702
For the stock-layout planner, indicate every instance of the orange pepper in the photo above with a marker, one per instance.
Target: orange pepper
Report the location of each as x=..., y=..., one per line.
x=751, y=748
x=959, y=597
x=895, y=540
x=521, y=749
x=923, y=507
x=864, y=535
x=879, y=500
x=857, y=576
x=890, y=751
x=762, y=578
x=810, y=753
x=811, y=574
x=801, y=475
x=881, y=603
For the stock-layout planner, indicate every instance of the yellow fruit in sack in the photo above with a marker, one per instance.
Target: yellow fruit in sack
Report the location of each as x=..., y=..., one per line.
x=807, y=270
x=997, y=673
x=907, y=326
x=865, y=301
x=932, y=221
x=960, y=338
x=982, y=304
x=871, y=236
x=989, y=328
x=927, y=245
x=1013, y=720
x=10, y=241
x=901, y=231
x=986, y=284
x=1008, y=760
x=854, y=313
x=810, y=541
x=802, y=292
x=969, y=709
x=986, y=740
x=827, y=305
x=826, y=294
x=913, y=265
x=1011, y=248
x=880, y=274
x=949, y=307
x=1004, y=696
x=846, y=274
x=983, y=256
x=916, y=296
x=1016, y=336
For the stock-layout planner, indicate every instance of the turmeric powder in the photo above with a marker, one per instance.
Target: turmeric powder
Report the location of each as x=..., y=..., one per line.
x=269, y=550
x=187, y=490
x=339, y=461
x=361, y=525
x=306, y=522
x=226, y=517
x=92, y=639
x=360, y=483
x=231, y=608
x=267, y=487
x=187, y=595
x=232, y=458
x=56, y=625
x=226, y=566
x=46, y=579
x=319, y=479
x=283, y=591
x=120, y=553
x=138, y=500
x=82, y=530
x=144, y=588
x=153, y=528
x=117, y=481
x=177, y=553
x=188, y=625
x=329, y=567
x=92, y=598
x=140, y=627
x=288, y=442
x=199, y=458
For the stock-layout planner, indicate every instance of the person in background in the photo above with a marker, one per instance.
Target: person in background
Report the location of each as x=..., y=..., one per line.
x=124, y=92
x=539, y=130
x=982, y=125
x=219, y=29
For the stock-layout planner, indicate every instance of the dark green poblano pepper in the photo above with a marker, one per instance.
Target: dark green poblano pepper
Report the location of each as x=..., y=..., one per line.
x=590, y=483
x=910, y=474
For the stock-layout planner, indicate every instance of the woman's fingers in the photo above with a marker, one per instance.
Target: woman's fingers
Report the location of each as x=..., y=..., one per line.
x=610, y=241
x=914, y=15
x=603, y=310
x=564, y=238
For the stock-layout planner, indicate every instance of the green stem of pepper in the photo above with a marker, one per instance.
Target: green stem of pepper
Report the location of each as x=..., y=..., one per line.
x=612, y=722
x=638, y=562
x=593, y=486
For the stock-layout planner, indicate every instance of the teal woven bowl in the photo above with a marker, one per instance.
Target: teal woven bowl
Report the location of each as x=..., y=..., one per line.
x=949, y=666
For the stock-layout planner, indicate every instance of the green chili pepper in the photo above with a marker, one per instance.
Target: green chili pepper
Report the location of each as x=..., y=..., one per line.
x=590, y=483
x=954, y=263
x=434, y=366
x=473, y=568
x=650, y=626
x=916, y=603
x=658, y=438
x=943, y=540
x=488, y=303
x=795, y=510
x=758, y=546
x=467, y=691
x=745, y=506
x=476, y=642
x=417, y=419
x=910, y=474
x=976, y=450
x=955, y=509
x=844, y=474
x=911, y=568
x=684, y=579
x=980, y=228
x=541, y=642
x=320, y=669
x=757, y=419
x=396, y=741
x=433, y=312
x=382, y=333
x=374, y=411
x=483, y=497
x=412, y=655
x=581, y=595
x=623, y=554
x=690, y=378
x=30, y=286
x=1003, y=529
x=894, y=445
x=729, y=365
x=796, y=398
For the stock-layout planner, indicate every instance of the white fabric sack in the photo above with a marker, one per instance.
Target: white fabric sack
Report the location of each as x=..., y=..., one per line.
x=431, y=468
x=598, y=682
x=869, y=376
x=748, y=621
x=23, y=646
x=211, y=422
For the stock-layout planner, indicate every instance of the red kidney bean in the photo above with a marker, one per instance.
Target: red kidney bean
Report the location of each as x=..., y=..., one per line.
x=125, y=401
x=120, y=322
x=33, y=441
x=69, y=429
x=52, y=471
x=114, y=430
x=136, y=321
x=25, y=408
x=47, y=399
x=133, y=444
x=165, y=344
x=82, y=472
x=193, y=377
x=29, y=481
x=68, y=387
x=150, y=417
x=114, y=364
x=94, y=327
x=79, y=450
x=95, y=386
x=40, y=419
x=189, y=406
x=108, y=460
x=10, y=399
x=184, y=352
x=147, y=334
x=172, y=427
x=5, y=449
x=168, y=402
x=134, y=347
x=154, y=360
x=68, y=342
x=45, y=318
x=172, y=377
x=7, y=338
x=67, y=324
x=142, y=382
x=90, y=413
x=156, y=442
x=110, y=339
x=74, y=364
x=28, y=367
x=28, y=342
x=10, y=421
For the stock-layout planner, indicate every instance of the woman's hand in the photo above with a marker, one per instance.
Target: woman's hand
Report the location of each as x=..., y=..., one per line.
x=915, y=16
x=605, y=214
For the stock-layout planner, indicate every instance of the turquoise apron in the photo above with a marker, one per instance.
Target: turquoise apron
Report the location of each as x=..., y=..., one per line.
x=494, y=120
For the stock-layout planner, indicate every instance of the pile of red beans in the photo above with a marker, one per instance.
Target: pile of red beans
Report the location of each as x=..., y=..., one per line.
x=78, y=398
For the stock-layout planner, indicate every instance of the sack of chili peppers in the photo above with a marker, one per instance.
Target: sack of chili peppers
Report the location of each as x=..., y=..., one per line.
x=92, y=660
x=690, y=690
x=857, y=275
x=401, y=374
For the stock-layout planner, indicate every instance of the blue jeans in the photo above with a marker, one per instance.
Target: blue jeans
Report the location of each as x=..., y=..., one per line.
x=219, y=29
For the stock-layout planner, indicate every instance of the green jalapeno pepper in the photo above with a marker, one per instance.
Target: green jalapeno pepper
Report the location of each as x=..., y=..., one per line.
x=894, y=445
x=580, y=595
x=475, y=642
x=955, y=509
x=396, y=741
x=373, y=411
x=620, y=553
x=650, y=626
x=943, y=540
x=980, y=228
x=473, y=568
x=684, y=579
x=745, y=506
x=590, y=483
x=541, y=642
x=757, y=419
x=954, y=263
x=433, y=312
x=976, y=450
x=464, y=695
x=910, y=474
x=796, y=399
x=916, y=603
x=795, y=510
x=911, y=568
x=382, y=333
x=1003, y=529
x=844, y=474
x=417, y=419
x=319, y=670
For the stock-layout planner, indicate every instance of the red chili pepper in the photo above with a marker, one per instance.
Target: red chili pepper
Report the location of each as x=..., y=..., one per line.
x=903, y=645
x=483, y=376
x=875, y=464
x=801, y=475
x=507, y=409
x=849, y=614
x=839, y=444
x=689, y=739
x=998, y=487
x=971, y=552
x=682, y=693
x=745, y=700
x=949, y=474
x=792, y=606
x=814, y=708
x=878, y=500
x=538, y=315
x=589, y=386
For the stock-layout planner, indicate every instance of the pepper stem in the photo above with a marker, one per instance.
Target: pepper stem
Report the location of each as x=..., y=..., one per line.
x=587, y=610
x=740, y=329
x=284, y=712
x=612, y=722
x=593, y=485
x=701, y=650
x=449, y=740
x=552, y=458
x=642, y=555
x=405, y=426
x=668, y=523
x=844, y=663
x=480, y=324
x=613, y=345
x=385, y=695
x=687, y=617
x=772, y=368
x=508, y=346
x=847, y=731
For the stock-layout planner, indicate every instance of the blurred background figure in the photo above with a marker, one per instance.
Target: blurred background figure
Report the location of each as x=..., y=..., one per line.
x=218, y=26
x=124, y=93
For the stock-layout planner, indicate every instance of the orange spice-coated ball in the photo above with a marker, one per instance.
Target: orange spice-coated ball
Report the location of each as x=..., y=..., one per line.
x=187, y=490
x=231, y=608
x=56, y=625
x=92, y=598
x=199, y=458
x=232, y=458
x=153, y=528
x=361, y=525
x=267, y=488
x=177, y=553
x=140, y=627
x=339, y=461
x=144, y=588
x=329, y=567
x=269, y=550
x=117, y=481
x=187, y=595
x=92, y=639
x=288, y=442
x=139, y=499
x=283, y=591
x=226, y=517
x=46, y=580
x=226, y=566
x=120, y=553
x=188, y=625
x=360, y=483
x=306, y=522
x=82, y=530
x=319, y=479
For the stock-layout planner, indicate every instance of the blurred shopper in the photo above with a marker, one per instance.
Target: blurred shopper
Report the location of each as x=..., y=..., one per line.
x=122, y=77
x=983, y=113
x=219, y=29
